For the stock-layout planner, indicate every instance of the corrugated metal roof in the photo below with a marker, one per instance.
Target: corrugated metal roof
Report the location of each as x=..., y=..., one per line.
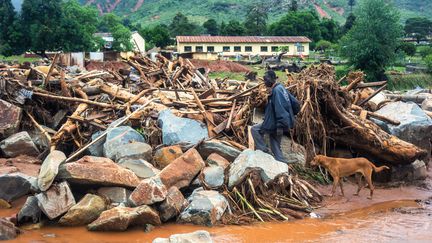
x=242, y=39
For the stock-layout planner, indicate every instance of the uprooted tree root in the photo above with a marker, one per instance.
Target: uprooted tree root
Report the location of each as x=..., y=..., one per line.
x=286, y=197
x=327, y=115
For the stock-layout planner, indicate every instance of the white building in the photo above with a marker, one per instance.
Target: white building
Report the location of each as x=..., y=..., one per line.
x=137, y=41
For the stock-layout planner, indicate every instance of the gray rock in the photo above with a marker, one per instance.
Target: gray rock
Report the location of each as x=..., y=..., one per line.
x=119, y=136
x=97, y=148
x=120, y=218
x=10, y=118
x=30, y=211
x=177, y=130
x=19, y=144
x=205, y=208
x=293, y=152
x=148, y=192
x=215, y=159
x=213, y=177
x=58, y=118
x=250, y=159
x=14, y=186
x=140, y=167
x=115, y=194
x=173, y=204
x=136, y=150
x=215, y=146
x=56, y=201
x=8, y=231
x=200, y=236
x=85, y=211
x=415, y=125
x=49, y=169
x=414, y=171
x=427, y=104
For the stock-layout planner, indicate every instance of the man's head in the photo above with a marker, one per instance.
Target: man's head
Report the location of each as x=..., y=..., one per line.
x=270, y=78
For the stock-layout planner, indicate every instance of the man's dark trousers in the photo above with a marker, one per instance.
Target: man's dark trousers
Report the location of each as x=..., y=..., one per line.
x=275, y=142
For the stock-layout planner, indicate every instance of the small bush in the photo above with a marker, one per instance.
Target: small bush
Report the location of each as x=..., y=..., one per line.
x=428, y=61
x=425, y=51
x=408, y=48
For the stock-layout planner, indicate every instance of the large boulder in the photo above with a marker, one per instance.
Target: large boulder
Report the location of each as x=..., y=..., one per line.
x=415, y=125
x=56, y=201
x=114, y=194
x=165, y=155
x=30, y=211
x=215, y=146
x=116, y=137
x=177, y=130
x=49, y=169
x=205, y=208
x=14, y=186
x=19, y=144
x=97, y=171
x=200, y=236
x=173, y=204
x=148, y=192
x=8, y=231
x=10, y=118
x=215, y=159
x=140, y=167
x=181, y=171
x=412, y=172
x=85, y=211
x=213, y=177
x=135, y=150
x=120, y=218
x=250, y=159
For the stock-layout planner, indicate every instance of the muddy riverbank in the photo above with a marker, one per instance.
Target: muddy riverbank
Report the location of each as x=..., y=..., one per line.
x=394, y=214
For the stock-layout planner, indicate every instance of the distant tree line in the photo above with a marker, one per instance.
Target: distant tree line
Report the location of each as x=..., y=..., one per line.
x=57, y=25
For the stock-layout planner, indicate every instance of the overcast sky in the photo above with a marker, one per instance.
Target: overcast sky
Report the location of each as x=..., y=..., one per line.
x=17, y=4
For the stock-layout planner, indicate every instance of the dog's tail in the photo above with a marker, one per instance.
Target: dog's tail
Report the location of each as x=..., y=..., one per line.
x=379, y=169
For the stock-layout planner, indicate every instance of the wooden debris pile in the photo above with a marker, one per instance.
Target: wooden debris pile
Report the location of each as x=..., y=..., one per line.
x=333, y=115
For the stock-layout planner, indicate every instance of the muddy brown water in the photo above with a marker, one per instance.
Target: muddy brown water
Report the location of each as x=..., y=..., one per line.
x=392, y=216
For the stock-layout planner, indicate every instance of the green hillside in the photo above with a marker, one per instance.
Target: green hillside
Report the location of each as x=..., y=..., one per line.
x=151, y=12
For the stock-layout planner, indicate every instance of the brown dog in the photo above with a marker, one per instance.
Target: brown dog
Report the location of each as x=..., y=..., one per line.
x=339, y=167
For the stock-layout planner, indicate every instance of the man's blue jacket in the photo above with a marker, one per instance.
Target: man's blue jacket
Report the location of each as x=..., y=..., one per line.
x=280, y=111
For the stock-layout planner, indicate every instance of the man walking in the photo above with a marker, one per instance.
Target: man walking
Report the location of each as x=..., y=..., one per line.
x=279, y=117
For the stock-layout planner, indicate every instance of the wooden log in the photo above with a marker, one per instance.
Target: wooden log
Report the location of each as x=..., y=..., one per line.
x=77, y=100
x=372, y=95
x=47, y=79
x=414, y=98
x=371, y=84
x=244, y=92
x=353, y=84
x=208, y=116
x=231, y=115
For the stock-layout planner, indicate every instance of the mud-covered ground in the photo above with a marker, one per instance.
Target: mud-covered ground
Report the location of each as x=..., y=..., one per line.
x=396, y=214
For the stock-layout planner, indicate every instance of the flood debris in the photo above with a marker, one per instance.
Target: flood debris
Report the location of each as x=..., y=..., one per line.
x=161, y=142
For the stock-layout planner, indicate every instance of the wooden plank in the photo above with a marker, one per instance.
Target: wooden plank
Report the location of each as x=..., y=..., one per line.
x=251, y=141
x=230, y=118
x=207, y=93
x=373, y=95
x=372, y=84
x=221, y=127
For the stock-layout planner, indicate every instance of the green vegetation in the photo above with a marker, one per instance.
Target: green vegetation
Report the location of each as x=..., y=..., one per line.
x=428, y=61
x=17, y=58
x=409, y=81
x=418, y=28
x=379, y=22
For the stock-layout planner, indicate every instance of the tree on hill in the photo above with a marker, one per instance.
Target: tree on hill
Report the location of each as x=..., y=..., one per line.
x=78, y=25
x=233, y=28
x=293, y=6
x=9, y=34
x=303, y=23
x=371, y=43
x=158, y=36
x=41, y=19
x=348, y=23
x=256, y=20
x=351, y=4
x=180, y=25
x=418, y=27
x=211, y=27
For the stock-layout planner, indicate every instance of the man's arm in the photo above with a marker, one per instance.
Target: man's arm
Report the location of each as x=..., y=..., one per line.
x=283, y=116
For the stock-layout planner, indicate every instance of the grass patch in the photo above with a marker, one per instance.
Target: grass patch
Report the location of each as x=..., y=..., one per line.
x=409, y=81
x=18, y=58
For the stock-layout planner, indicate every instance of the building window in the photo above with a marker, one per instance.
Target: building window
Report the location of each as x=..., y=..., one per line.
x=226, y=49
x=248, y=48
x=237, y=48
x=210, y=48
x=284, y=48
x=264, y=49
x=300, y=48
x=188, y=48
x=199, y=49
x=275, y=48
